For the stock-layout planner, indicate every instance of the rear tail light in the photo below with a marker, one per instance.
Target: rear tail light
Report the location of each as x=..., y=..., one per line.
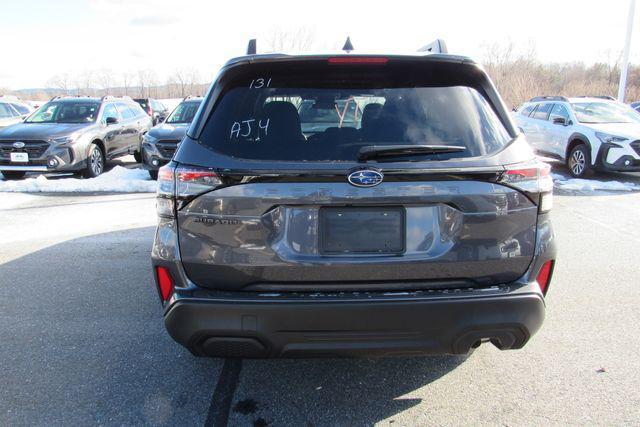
x=534, y=179
x=193, y=181
x=544, y=276
x=165, y=282
x=165, y=200
x=179, y=185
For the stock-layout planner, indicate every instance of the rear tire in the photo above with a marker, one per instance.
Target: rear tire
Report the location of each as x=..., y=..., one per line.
x=153, y=174
x=137, y=155
x=95, y=162
x=579, y=161
x=12, y=175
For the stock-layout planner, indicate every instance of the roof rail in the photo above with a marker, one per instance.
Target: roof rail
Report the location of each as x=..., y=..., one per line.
x=436, y=46
x=610, y=98
x=549, y=98
x=106, y=97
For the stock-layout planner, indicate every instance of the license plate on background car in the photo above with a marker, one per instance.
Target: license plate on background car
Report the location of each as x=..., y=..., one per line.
x=20, y=157
x=367, y=230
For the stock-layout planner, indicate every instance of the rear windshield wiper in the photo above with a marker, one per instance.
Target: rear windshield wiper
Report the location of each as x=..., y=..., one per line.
x=376, y=151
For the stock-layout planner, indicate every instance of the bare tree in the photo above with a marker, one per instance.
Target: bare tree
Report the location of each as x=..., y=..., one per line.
x=60, y=81
x=193, y=77
x=105, y=79
x=127, y=81
x=179, y=79
x=145, y=79
x=84, y=83
x=298, y=40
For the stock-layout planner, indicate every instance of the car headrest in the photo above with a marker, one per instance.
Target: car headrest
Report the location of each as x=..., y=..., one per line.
x=284, y=121
x=370, y=113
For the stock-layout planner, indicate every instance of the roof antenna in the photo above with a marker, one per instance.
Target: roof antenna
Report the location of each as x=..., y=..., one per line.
x=251, y=47
x=348, y=47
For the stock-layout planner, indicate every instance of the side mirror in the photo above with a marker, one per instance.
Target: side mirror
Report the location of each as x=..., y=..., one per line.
x=560, y=121
x=111, y=121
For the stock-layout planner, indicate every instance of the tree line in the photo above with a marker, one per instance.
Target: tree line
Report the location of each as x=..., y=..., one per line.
x=519, y=76
x=140, y=84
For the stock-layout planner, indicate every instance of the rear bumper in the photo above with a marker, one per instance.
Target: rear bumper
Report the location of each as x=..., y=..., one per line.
x=364, y=324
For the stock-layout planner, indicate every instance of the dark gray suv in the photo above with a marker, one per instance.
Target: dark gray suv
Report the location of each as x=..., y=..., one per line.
x=161, y=142
x=421, y=226
x=73, y=134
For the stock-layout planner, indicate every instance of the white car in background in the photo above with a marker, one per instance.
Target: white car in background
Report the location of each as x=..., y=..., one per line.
x=587, y=133
x=13, y=110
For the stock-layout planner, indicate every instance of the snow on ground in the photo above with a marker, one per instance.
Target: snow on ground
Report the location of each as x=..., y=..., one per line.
x=589, y=185
x=117, y=180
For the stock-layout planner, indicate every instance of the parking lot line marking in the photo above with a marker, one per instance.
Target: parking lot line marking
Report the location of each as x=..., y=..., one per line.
x=218, y=415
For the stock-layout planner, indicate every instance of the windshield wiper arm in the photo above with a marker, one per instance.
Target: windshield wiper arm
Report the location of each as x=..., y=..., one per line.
x=375, y=151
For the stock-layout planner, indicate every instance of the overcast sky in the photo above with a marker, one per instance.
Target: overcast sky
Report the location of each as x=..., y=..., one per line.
x=42, y=38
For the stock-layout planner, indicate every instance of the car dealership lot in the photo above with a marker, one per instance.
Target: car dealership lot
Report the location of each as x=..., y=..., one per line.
x=83, y=340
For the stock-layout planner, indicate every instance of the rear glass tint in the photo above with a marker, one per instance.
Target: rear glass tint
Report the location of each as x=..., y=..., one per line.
x=320, y=116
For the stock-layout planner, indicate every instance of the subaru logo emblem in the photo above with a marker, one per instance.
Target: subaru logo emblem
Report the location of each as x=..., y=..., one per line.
x=18, y=144
x=365, y=178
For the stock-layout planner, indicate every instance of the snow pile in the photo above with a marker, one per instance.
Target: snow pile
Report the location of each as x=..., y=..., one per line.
x=117, y=180
x=574, y=184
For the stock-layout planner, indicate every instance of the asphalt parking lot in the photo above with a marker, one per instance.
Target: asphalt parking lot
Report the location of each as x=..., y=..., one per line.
x=83, y=341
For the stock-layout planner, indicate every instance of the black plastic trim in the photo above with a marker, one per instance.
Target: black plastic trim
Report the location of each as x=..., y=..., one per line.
x=359, y=326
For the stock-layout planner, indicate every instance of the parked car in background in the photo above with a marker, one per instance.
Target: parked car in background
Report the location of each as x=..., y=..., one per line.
x=420, y=226
x=318, y=115
x=13, y=110
x=587, y=133
x=635, y=106
x=161, y=142
x=155, y=109
x=73, y=134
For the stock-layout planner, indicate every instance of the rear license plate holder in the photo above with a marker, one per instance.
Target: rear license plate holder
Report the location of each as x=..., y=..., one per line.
x=362, y=230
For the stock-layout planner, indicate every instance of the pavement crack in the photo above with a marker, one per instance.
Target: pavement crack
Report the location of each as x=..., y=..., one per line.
x=218, y=414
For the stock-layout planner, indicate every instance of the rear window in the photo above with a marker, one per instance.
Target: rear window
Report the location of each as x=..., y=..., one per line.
x=300, y=117
x=527, y=111
x=21, y=108
x=5, y=111
x=542, y=112
x=142, y=103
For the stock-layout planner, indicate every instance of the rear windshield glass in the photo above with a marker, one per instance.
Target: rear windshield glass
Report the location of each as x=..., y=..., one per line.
x=282, y=117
